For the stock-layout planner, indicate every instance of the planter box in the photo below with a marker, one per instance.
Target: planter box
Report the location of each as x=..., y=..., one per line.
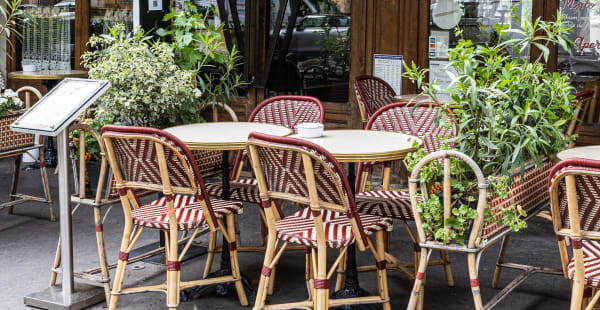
x=10, y=140
x=530, y=192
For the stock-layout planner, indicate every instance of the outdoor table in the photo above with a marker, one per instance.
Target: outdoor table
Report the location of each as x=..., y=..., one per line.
x=353, y=146
x=222, y=136
x=419, y=97
x=585, y=152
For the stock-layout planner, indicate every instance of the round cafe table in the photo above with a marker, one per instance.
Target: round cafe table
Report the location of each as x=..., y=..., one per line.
x=585, y=152
x=352, y=146
x=222, y=136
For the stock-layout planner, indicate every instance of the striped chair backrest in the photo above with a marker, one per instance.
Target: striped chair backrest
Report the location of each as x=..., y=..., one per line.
x=587, y=181
x=426, y=120
x=372, y=93
x=288, y=111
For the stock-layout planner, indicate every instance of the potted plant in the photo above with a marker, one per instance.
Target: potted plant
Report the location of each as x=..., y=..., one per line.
x=511, y=115
x=199, y=46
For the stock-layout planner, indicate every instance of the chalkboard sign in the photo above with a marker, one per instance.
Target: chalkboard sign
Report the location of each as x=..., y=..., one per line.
x=60, y=107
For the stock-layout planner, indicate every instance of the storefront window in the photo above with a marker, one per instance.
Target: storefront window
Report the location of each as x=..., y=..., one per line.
x=314, y=58
x=583, y=64
x=109, y=13
x=48, y=40
x=478, y=21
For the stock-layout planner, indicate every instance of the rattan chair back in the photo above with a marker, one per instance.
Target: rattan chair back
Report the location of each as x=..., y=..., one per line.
x=372, y=93
x=302, y=172
x=414, y=181
x=153, y=159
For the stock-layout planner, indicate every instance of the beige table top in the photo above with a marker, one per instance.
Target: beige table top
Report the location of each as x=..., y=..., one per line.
x=417, y=97
x=586, y=152
x=46, y=74
x=223, y=136
x=365, y=145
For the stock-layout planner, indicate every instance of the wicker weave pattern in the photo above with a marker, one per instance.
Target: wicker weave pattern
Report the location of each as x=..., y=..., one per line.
x=300, y=228
x=209, y=162
x=242, y=190
x=11, y=140
x=591, y=263
x=529, y=192
x=188, y=211
x=288, y=111
x=588, y=197
x=394, y=204
x=373, y=93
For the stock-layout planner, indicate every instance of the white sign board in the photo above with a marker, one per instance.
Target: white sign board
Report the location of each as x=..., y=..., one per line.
x=60, y=107
x=438, y=72
x=389, y=69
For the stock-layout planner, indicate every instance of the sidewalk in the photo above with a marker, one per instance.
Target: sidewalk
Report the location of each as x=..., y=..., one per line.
x=28, y=244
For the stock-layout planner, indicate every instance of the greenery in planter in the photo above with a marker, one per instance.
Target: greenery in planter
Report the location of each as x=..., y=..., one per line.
x=148, y=87
x=199, y=46
x=509, y=111
x=9, y=102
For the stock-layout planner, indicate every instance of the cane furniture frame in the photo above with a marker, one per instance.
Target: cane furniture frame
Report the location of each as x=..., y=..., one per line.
x=484, y=233
x=168, y=168
x=417, y=119
x=574, y=201
x=372, y=93
x=322, y=187
x=15, y=144
x=583, y=105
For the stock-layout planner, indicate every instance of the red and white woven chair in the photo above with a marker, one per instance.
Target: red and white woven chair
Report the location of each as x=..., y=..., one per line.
x=16, y=144
x=575, y=202
x=372, y=93
x=302, y=172
x=148, y=158
x=288, y=111
x=417, y=119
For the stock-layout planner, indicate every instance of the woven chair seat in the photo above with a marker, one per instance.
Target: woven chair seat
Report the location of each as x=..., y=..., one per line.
x=243, y=190
x=591, y=263
x=299, y=228
x=188, y=211
x=394, y=204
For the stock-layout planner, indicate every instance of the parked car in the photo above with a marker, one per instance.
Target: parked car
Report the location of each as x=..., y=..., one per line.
x=305, y=38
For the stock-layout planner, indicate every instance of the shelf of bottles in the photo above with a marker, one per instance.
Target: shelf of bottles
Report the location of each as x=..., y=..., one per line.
x=105, y=14
x=48, y=36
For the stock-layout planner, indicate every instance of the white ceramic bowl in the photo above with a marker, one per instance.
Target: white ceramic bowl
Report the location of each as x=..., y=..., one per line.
x=29, y=68
x=310, y=130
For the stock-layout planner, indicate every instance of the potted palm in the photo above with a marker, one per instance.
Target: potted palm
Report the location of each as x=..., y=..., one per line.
x=511, y=115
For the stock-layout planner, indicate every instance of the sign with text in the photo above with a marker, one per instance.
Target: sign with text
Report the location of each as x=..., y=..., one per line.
x=60, y=107
x=389, y=69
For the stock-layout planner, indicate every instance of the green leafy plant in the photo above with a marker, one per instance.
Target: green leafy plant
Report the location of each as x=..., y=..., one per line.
x=12, y=15
x=199, y=46
x=509, y=109
x=9, y=102
x=148, y=87
x=95, y=117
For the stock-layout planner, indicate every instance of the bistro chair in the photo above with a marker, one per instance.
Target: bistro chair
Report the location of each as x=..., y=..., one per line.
x=301, y=172
x=474, y=245
x=583, y=104
x=417, y=119
x=152, y=159
x=574, y=198
x=288, y=111
x=15, y=144
x=372, y=93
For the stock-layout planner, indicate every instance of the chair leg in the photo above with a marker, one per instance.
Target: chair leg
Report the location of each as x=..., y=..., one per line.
x=321, y=301
x=102, y=251
x=46, y=184
x=173, y=269
x=418, y=287
x=500, y=261
x=15, y=180
x=341, y=273
x=271, y=284
x=212, y=244
x=308, y=274
x=447, y=268
x=56, y=264
x=474, y=279
x=121, y=266
x=235, y=264
x=382, y=273
x=261, y=292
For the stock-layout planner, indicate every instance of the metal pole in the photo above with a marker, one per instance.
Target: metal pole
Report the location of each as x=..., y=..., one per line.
x=66, y=241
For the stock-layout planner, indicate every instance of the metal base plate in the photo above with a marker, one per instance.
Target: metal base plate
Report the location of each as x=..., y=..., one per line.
x=51, y=298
